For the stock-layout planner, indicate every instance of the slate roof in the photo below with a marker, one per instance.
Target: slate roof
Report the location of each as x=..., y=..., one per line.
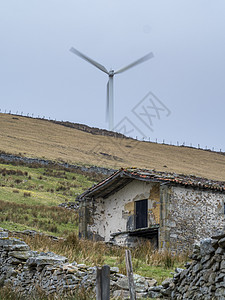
x=122, y=177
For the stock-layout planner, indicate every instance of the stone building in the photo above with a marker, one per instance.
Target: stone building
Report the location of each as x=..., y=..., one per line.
x=170, y=209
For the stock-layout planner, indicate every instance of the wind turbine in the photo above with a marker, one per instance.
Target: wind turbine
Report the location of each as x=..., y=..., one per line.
x=111, y=73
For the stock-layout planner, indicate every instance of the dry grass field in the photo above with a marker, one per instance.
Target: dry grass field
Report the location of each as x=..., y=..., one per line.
x=42, y=139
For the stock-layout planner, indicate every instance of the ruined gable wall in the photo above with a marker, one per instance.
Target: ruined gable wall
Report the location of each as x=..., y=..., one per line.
x=192, y=215
x=96, y=222
x=116, y=213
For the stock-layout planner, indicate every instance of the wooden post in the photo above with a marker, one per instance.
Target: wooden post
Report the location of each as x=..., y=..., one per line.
x=130, y=275
x=103, y=283
x=99, y=284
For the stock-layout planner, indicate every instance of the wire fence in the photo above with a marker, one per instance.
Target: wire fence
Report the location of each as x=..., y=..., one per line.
x=144, y=139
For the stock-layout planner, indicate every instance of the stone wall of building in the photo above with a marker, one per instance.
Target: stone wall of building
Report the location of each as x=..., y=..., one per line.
x=185, y=214
x=116, y=213
x=188, y=215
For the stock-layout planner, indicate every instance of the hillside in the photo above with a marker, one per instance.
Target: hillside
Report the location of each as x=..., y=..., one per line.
x=29, y=199
x=43, y=139
x=30, y=195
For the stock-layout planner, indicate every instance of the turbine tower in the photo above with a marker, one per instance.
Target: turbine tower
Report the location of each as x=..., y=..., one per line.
x=111, y=73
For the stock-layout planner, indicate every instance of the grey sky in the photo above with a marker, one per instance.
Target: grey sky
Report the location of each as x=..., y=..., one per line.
x=39, y=75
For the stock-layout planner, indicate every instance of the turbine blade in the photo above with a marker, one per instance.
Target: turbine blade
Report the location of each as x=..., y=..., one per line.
x=107, y=102
x=88, y=59
x=139, y=61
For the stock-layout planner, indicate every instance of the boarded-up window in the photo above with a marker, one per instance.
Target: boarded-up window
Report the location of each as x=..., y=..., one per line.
x=141, y=213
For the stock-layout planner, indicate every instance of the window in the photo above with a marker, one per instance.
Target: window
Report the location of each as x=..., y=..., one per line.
x=141, y=214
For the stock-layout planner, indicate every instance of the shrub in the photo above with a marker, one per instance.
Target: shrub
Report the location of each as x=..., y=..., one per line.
x=26, y=194
x=18, y=181
x=16, y=191
x=53, y=228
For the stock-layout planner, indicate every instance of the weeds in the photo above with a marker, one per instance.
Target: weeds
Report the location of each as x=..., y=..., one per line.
x=146, y=261
x=25, y=194
x=16, y=172
x=147, y=254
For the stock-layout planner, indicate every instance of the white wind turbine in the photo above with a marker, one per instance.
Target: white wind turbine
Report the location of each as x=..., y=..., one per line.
x=111, y=73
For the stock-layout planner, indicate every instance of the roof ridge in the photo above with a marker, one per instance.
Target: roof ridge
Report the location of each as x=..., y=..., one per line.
x=159, y=176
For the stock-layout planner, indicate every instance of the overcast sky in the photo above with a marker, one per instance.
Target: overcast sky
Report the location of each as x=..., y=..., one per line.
x=177, y=96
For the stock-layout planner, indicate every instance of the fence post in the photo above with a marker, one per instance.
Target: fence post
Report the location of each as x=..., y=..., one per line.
x=130, y=275
x=103, y=283
x=99, y=284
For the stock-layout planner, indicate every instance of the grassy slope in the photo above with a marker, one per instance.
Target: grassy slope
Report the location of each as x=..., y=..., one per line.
x=29, y=198
x=47, y=186
x=38, y=138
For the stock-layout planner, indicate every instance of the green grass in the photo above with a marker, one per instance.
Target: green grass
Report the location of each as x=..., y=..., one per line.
x=140, y=267
x=35, y=198
x=48, y=219
x=157, y=272
x=15, y=226
x=30, y=195
x=46, y=185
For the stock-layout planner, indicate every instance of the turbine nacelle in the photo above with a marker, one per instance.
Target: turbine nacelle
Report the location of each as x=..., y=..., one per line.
x=111, y=73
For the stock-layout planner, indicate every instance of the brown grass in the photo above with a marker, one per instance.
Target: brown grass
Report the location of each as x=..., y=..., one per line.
x=39, y=138
x=95, y=253
x=75, y=249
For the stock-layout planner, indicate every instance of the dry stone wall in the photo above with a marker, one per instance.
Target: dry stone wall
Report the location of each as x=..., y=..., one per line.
x=43, y=162
x=204, y=278
x=28, y=272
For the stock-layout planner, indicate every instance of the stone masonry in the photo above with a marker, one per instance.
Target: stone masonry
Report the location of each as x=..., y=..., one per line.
x=204, y=278
x=28, y=271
